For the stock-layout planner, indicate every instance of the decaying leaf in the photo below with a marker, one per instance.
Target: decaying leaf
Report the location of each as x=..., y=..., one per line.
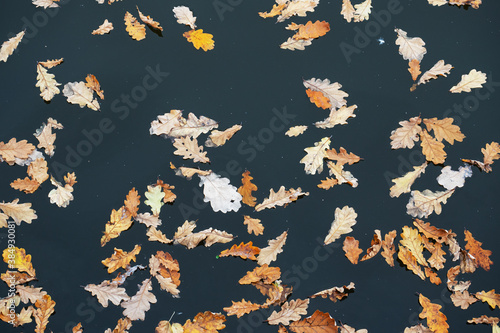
x=414, y=68
x=490, y=153
x=375, y=246
x=462, y=299
x=263, y=273
x=61, y=195
x=246, y=190
x=104, y=28
x=290, y=311
x=336, y=293
x=186, y=237
x=297, y=7
x=280, y=198
x=388, y=248
x=436, y=320
x=474, y=79
x=45, y=136
x=345, y=218
x=270, y=252
x=17, y=258
x=481, y=256
x=135, y=29
x=79, y=93
x=450, y=179
x=9, y=46
x=222, y=196
x=312, y=30
x=423, y=204
x=410, y=47
x=244, y=251
x=18, y=212
x=200, y=39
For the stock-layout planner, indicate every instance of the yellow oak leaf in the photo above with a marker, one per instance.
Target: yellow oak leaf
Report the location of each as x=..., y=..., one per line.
x=135, y=29
x=118, y=222
x=17, y=258
x=121, y=259
x=200, y=39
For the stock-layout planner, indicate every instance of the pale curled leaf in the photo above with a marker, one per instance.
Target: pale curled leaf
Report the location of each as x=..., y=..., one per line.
x=423, y=204
x=10, y=45
x=269, y=253
x=345, y=218
x=137, y=306
x=104, y=28
x=280, y=198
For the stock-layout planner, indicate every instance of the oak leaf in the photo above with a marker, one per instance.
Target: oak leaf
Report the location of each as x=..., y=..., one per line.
x=61, y=195
x=280, y=198
x=438, y=69
x=241, y=308
x=94, y=84
x=331, y=91
x=318, y=99
x=37, y=170
x=45, y=3
x=200, y=39
x=328, y=183
x=462, y=299
x=318, y=322
x=184, y=16
x=423, y=204
x=135, y=29
x=188, y=148
x=436, y=320
x=51, y=63
x=474, y=4
x=253, y=225
x=163, y=264
x=351, y=249
x=210, y=236
x=414, y=68
x=312, y=30
x=336, y=293
x=348, y=10
x=295, y=44
x=490, y=153
x=439, y=235
x=192, y=126
x=484, y=320
x=104, y=28
x=410, y=47
x=154, y=198
x=21, y=261
x=14, y=149
x=313, y=161
x=45, y=136
x=149, y=21
x=16, y=278
x=432, y=275
x=27, y=185
x=290, y=311
x=107, y=292
x=345, y=218
x=411, y=239
x=10, y=45
x=388, y=248
x=363, y=11
x=155, y=235
x=123, y=323
x=44, y=309
x=342, y=176
x=375, y=246
x=18, y=212
x=119, y=221
x=437, y=259
x=337, y=117
x=137, y=306
x=148, y=220
x=297, y=7
x=481, y=256
x=79, y=93
x=132, y=202
x=244, y=251
x=218, y=138
x=164, y=124
x=342, y=156
x=451, y=179
x=120, y=259
x=206, y=322
x=270, y=252
x=246, y=189
x=296, y=130
x=410, y=262
x=166, y=327
x=489, y=297
x=46, y=83
x=403, y=184
x=262, y=273
x=222, y=196
x=474, y=79
x=406, y=135
x=444, y=129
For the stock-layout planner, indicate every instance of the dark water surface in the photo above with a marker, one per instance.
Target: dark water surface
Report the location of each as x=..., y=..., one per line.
x=247, y=79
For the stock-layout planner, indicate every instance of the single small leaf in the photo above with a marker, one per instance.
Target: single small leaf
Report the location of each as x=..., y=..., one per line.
x=351, y=249
x=244, y=251
x=247, y=188
x=135, y=29
x=270, y=252
x=200, y=39
x=345, y=218
x=474, y=79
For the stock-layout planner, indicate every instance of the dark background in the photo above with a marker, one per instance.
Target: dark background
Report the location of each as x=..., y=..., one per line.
x=241, y=81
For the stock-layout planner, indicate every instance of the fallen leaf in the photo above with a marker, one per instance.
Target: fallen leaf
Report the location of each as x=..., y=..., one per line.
x=222, y=196
x=331, y=91
x=481, y=256
x=135, y=29
x=388, y=248
x=474, y=79
x=410, y=262
x=423, y=204
x=280, y=198
x=411, y=239
x=414, y=69
x=337, y=117
x=270, y=252
x=375, y=246
x=93, y=84
x=137, y=306
x=253, y=225
x=149, y=21
x=107, y=292
x=345, y=218
x=200, y=39
x=317, y=322
x=410, y=47
x=438, y=69
x=241, y=308
x=104, y=28
x=297, y=7
x=407, y=134
x=44, y=309
x=188, y=148
x=462, y=299
x=313, y=161
x=9, y=46
x=154, y=198
x=120, y=259
x=363, y=11
x=348, y=10
x=403, y=184
x=312, y=30
x=119, y=221
x=262, y=273
x=436, y=320
x=207, y=321
x=184, y=16
x=351, y=249
x=290, y=311
x=296, y=130
x=14, y=149
x=336, y=293
x=450, y=179
x=246, y=190
x=218, y=138
x=244, y=251
x=342, y=157
x=294, y=44
x=79, y=93
x=46, y=83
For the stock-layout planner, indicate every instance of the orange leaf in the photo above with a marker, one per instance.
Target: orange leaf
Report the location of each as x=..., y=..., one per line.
x=241, y=308
x=247, y=188
x=169, y=195
x=276, y=10
x=320, y=100
x=245, y=251
x=132, y=202
x=328, y=183
x=318, y=322
x=414, y=68
x=207, y=321
x=433, y=277
x=342, y=157
x=432, y=149
x=45, y=308
x=351, y=249
x=389, y=248
x=119, y=221
x=265, y=273
x=336, y=293
x=169, y=267
x=26, y=185
x=375, y=246
x=312, y=30
x=409, y=260
x=93, y=84
x=121, y=259
x=439, y=235
x=15, y=149
x=482, y=257
x=200, y=39
x=436, y=320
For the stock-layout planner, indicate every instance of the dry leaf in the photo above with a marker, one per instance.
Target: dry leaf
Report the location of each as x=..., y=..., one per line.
x=444, y=129
x=26, y=185
x=290, y=311
x=342, y=157
x=244, y=251
x=44, y=309
x=46, y=83
x=205, y=322
x=296, y=130
x=411, y=239
x=481, y=256
x=270, y=252
x=45, y=3
x=263, y=273
x=489, y=297
x=317, y=322
x=45, y=136
x=149, y=21
x=348, y=10
x=336, y=293
x=137, y=306
x=200, y=39
x=246, y=189
x=363, y=11
x=93, y=84
x=294, y=44
x=61, y=195
x=410, y=262
x=423, y=204
x=484, y=320
x=253, y=225
x=155, y=235
x=297, y=7
x=329, y=90
x=351, y=249
x=121, y=259
x=135, y=29
x=79, y=93
x=432, y=149
x=18, y=212
x=337, y=117
x=406, y=135
x=280, y=198
x=328, y=183
x=436, y=320
x=192, y=126
x=189, y=149
x=462, y=299
x=450, y=179
x=312, y=30
x=13, y=150
x=21, y=260
x=410, y=47
x=118, y=222
x=403, y=184
x=184, y=16
x=218, y=138
x=154, y=198
x=313, y=161
x=107, y=292
x=104, y=28
x=9, y=46
x=345, y=218
x=276, y=10
x=375, y=246
x=414, y=69
x=388, y=248
x=241, y=308
x=222, y=196
x=474, y=79
x=438, y=69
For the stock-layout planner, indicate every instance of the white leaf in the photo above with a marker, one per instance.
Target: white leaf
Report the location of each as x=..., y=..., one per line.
x=184, y=16
x=222, y=196
x=410, y=47
x=79, y=93
x=450, y=179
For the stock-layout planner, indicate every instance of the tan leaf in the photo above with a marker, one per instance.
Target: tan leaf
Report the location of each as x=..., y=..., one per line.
x=444, y=129
x=410, y=262
x=218, y=138
x=276, y=10
x=388, y=248
x=13, y=150
x=45, y=136
x=9, y=46
x=351, y=249
x=149, y=21
x=104, y=28
x=491, y=152
x=337, y=117
x=155, y=235
x=294, y=44
x=438, y=69
x=296, y=130
x=135, y=29
x=345, y=218
x=107, y=292
x=317, y=322
x=26, y=185
x=18, y=212
x=137, y=306
x=432, y=149
x=168, y=285
x=30, y=294
x=462, y=299
x=290, y=311
x=192, y=126
x=46, y=83
x=330, y=90
x=481, y=256
x=298, y=7
x=342, y=156
x=436, y=320
x=247, y=188
x=328, y=183
x=253, y=225
x=439, y=235
x=37, y=170
x=169, y=195
x=432, y=275
x=241, y=308
x=165, y=123
x=45, y=3
x=119, y=221
x=403, y=184
x=313, y=161
x=280, y=198
x=437, y=258
x=336, y=293
x=406, y=135
x=44, y=309
x=423, y=204
x=190, y=172
x=348, y=10
x=410, y=47
x=263, y=273
x=411, y=239
x=375, y=246
x=207, y=321
x=414, y=69
x=275, y=246
x=148, y=220
x=120, y=259
x=61, y=195
x=484, y=320
x=474, y=79
x=79, y=93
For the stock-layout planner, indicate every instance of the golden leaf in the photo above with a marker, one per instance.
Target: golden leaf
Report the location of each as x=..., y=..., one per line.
x=436, y=320
x=433, y=277
x=328, y=183
x=244, y=251
x=17, y=258
x=388, y=248
x=13, y=150
x=26, y=185
x=432, y=149
x=481, y=256
x=118, y=222
x=403, y=184
x=312, y=30
x=489, y=297
x=135, y=29
x=412, y=240
x=270, y=252
x=93, y=84
x=276, y=10
x=200, y=39
x=410, y=262
x=132, y=202
x=121, y=259
x=45, y=308
x=262, y=273
x=351, y=249
x=444, y=129
x=247, y=188
x=207, y=321
x=241, y=308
